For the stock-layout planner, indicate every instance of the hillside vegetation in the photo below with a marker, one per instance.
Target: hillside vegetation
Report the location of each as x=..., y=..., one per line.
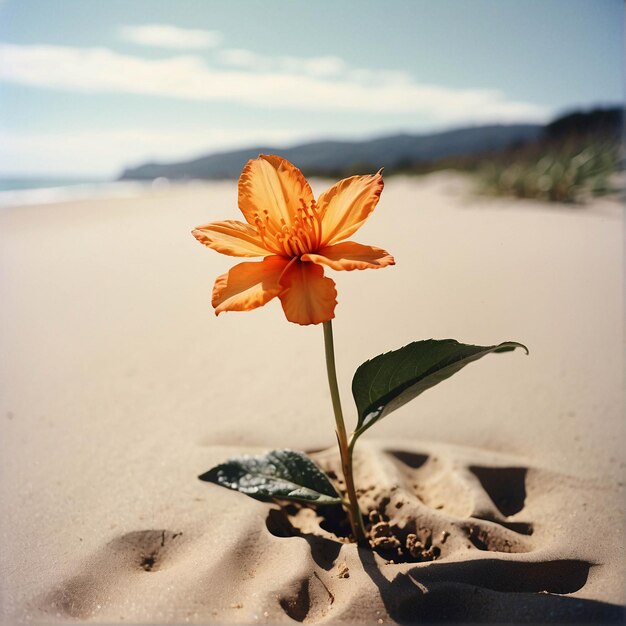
x=576, y=157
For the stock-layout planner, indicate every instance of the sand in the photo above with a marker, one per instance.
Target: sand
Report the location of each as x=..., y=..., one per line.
x=119, y=386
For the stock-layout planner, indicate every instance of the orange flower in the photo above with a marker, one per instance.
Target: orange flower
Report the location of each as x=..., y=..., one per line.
x=296, y=235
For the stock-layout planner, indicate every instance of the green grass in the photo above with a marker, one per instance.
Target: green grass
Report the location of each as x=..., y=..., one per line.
x=572, y=172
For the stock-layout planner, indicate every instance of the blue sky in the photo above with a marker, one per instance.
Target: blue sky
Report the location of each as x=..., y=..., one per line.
x=88, y=87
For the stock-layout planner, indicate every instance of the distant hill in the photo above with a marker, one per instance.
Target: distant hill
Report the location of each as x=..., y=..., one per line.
x=328, y=157
x=601, y=123
x=462, y=148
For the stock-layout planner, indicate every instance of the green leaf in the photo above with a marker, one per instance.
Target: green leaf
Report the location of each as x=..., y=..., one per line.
x=386, y=382
x=279, y=474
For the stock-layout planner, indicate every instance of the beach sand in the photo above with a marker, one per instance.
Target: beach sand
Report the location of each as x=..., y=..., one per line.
x=120, y=387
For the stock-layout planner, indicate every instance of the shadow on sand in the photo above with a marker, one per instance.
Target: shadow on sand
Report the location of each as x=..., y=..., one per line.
x=491, y=590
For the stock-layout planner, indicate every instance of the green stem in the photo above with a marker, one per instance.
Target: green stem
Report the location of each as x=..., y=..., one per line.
x=362, y=535
x=345, y=450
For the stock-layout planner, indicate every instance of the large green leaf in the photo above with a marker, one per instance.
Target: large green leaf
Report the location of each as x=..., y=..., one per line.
x=277, y=475
x=390, y=380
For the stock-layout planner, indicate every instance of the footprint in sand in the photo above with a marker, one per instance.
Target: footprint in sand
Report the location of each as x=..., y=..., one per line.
x=460, y=535
x=454, y=529
x=426, y=506
x=120, y=563
x=452, y=504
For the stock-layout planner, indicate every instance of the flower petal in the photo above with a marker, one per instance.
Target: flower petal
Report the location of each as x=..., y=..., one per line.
x=350, y=255
x=232, y=238
x=307, y=296
x=270, y=183
x=346, y=206
x=248, y=285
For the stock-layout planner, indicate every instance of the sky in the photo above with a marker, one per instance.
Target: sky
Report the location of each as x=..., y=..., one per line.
x=88, y=87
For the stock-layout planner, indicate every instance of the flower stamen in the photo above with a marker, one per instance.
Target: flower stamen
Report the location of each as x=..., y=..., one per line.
x=301, y=236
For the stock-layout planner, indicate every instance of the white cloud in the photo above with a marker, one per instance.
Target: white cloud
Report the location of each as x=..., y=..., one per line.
x=106, y=152
x=238, y=57
x=313, y=66
x=191, y=78
x=172, y=37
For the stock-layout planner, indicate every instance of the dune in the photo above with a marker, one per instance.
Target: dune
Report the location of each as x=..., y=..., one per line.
x=496, y=497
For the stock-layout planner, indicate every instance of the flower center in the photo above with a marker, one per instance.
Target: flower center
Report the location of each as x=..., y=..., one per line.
x=301, y=236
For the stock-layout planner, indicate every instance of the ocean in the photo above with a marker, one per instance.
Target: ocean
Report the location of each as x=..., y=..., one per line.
x=21, y=191
x=20, y=183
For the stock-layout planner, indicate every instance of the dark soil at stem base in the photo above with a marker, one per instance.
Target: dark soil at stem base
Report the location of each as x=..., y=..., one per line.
x=395, y=545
